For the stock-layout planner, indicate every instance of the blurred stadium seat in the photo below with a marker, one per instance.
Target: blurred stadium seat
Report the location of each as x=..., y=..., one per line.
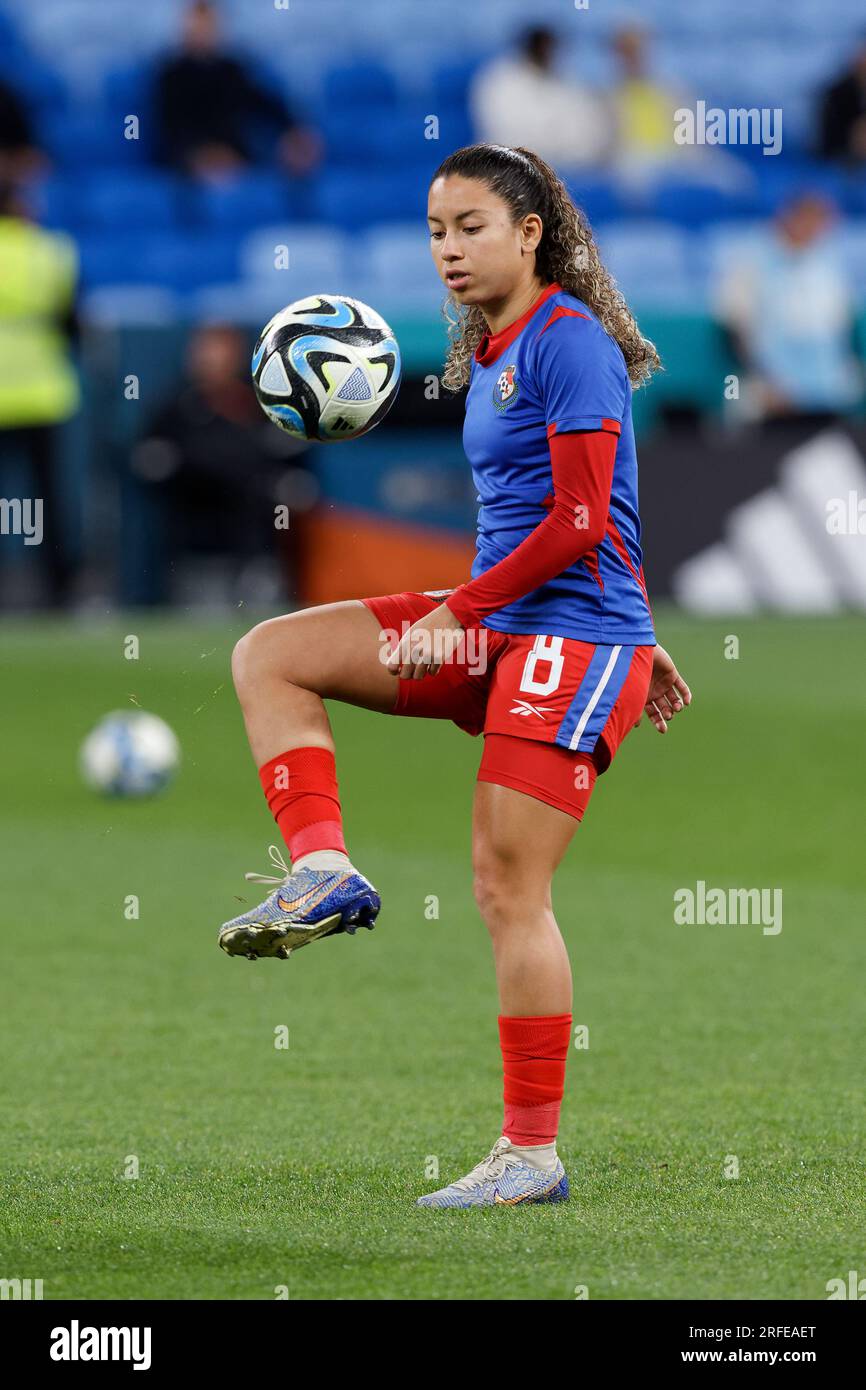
x=366, y=85
x=180, y=261
x=250, y=303
x=248, y=200
x=650, y=262
x=353, y=199
x=316, y=252
x=83, y=139
x=146, y=200
x=851, y=238
x=392, y=263
x=129, y=89
x=695, y=204
x=395, y=137
x=596, y=196
x=146, y=305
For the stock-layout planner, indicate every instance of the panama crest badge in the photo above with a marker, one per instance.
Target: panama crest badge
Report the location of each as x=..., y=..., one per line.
x=505, y=390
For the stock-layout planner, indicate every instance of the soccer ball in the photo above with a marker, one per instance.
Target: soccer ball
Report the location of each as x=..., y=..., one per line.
x=326, y=368
x=129, y=753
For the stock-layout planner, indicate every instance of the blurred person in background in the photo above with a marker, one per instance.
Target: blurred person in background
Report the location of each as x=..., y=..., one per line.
x=643, y=120
x=520, y=99
x=209, y=104
x=214, y=469
x=39, y=387
x=843, y=114
x=643, y=107
x=19, y=153
x=789, y=313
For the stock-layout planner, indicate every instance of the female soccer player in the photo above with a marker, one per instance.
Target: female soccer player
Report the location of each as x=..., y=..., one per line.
x=562, y=660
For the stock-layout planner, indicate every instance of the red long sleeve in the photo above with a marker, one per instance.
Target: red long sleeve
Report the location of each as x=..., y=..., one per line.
x=582, y=468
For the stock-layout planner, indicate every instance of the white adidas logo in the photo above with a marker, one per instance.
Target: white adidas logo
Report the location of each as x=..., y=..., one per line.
x=799, y=547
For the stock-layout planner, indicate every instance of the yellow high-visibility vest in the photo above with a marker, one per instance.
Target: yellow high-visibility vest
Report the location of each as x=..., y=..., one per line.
x=38, y=272
x=646, y=117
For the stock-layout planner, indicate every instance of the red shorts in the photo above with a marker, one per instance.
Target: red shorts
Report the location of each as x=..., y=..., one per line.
x=553, y=710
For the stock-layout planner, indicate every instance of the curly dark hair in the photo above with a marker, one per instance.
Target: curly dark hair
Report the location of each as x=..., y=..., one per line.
x=566, y=254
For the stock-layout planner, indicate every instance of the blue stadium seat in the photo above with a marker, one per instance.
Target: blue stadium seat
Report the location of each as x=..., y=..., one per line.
x=784, y=178
x=115, y=305
x=38, y=84
x=248, y=200
x=55, y=202
x=121, y=28
x=694, y=204
x=650, y=261
x=109, y=259
x=185, y=261
x=851, y=242
x=85, y=138
x=242, y=301
x=144, y=200
x=129, y=89
x=393, y=261
x=597, y=196
x=11, y=48
x=451, y=81
x=854, y=195
x=450, y=101
x=317, y=260
x=394, y=136
x=176, y=261
x=369, y=85
x=718, y=247
x=455, y=131
x=355, y=199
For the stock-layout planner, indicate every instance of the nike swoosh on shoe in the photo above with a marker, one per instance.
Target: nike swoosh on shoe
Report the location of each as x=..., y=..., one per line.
x=319, y=892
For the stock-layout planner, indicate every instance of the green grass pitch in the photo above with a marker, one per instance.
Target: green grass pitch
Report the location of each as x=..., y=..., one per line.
x=264, y=1169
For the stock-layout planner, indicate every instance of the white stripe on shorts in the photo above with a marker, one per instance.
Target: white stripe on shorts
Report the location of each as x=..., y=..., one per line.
x=595, y=697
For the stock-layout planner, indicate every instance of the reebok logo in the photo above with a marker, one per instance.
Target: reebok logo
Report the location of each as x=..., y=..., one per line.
x=526, y=709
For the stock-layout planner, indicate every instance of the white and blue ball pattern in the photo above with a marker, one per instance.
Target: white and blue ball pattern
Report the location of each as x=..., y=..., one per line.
x=130, y=753
x=326, y=368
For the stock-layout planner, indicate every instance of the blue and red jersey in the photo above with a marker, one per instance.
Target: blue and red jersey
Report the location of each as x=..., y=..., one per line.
x=555, y=372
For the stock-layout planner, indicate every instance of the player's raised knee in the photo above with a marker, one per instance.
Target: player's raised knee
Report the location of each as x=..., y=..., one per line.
x=252, y=655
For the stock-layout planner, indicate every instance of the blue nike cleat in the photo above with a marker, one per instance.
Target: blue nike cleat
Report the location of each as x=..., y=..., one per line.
x=308, y=904
x=501, y=1179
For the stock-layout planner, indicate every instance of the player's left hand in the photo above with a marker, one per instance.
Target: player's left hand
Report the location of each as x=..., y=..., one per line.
x=668, y=692
x=427, y=644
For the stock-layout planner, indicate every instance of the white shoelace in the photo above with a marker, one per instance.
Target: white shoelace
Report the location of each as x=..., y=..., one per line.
x=490, y=1168
x=276, y=858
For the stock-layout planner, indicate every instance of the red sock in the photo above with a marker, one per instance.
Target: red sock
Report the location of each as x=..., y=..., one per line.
x=301, y=790
x=533, y=1059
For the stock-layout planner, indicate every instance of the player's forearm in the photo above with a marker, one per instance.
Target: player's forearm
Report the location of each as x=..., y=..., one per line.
x=551, y=548
x=582, y=471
